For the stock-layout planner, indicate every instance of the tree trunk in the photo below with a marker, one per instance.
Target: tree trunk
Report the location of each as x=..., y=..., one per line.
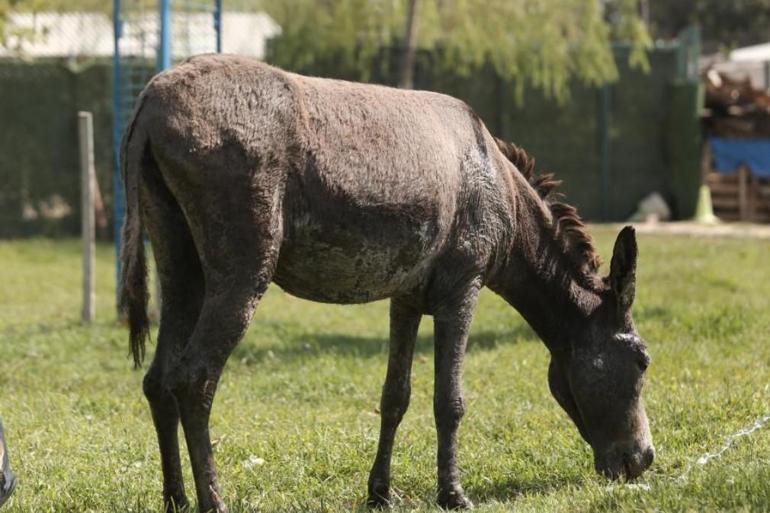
x=406, y=80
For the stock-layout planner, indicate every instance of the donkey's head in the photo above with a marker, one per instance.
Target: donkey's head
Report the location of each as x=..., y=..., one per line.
x=597, y=378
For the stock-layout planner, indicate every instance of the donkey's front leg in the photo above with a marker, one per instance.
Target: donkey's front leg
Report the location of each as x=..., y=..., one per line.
x=451, y=327
x=404, y=321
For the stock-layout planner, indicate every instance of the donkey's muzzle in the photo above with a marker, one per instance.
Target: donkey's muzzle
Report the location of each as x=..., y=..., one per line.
x=634, y=465
x=628, y=462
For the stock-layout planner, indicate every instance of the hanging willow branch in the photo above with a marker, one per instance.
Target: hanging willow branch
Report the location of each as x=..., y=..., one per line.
x=544, y=44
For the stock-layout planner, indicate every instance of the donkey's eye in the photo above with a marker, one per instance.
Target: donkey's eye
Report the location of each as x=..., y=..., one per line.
x=633, y=342
x=644, y=360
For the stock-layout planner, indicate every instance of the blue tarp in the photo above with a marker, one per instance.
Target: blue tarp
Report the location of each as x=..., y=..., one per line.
x=730, y=154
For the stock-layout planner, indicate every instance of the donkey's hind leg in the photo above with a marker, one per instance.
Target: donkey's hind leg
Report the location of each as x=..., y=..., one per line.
x=404, y=321
x=226, y=313
x=181, y=282
x=238, y=255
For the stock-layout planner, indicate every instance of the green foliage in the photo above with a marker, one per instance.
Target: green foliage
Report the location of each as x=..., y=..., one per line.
x=61, y=5
x=542, y=43
x=723, y=23
x=8, y=6
x=626, y=25
x=301, y=389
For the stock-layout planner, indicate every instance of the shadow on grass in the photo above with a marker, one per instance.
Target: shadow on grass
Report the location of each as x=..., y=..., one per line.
x=502, y=491
x=311, y=345
x=506, y=490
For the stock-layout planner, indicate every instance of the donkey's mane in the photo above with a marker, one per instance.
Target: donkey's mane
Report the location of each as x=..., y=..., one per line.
x=569, y=231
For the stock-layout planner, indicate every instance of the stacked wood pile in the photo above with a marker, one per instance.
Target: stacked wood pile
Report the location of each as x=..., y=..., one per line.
x=735, y=109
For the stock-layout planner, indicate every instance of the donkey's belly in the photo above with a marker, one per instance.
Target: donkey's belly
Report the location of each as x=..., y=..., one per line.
x=353, y=261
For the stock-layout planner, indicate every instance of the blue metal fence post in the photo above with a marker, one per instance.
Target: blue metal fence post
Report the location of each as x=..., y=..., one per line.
x=218, y=23
x=164, y=47
x=118, y=198
x=131, y=71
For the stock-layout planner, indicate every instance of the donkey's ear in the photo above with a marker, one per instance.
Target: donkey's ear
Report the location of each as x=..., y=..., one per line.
x=623, y=268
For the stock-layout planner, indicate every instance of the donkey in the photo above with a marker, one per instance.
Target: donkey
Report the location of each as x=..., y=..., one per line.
x=243, y=174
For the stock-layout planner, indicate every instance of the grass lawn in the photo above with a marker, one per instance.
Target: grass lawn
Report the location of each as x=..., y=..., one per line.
x=295, y=425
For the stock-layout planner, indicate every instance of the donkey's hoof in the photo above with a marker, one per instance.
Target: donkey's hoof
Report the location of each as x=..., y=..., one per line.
x=377, y=502
x=379, y=496
x=178, y=505
x=454, y=499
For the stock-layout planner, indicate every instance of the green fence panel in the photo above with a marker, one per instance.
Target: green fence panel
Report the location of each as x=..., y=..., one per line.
x=683, y=145
x=652, y=129
x=40, y=191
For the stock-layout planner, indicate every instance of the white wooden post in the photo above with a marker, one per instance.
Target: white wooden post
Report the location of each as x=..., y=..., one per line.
x=87, y=182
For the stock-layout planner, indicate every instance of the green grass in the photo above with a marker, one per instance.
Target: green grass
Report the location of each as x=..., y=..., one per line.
x=300, y=392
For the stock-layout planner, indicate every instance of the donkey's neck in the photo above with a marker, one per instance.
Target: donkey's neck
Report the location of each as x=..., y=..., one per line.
x=536, y=280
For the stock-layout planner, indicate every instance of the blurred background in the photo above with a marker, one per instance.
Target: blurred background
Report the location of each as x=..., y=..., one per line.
x=652, y=110
x=620, y=98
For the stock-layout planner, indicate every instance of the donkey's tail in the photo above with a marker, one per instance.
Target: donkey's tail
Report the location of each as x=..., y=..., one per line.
x=133, y=296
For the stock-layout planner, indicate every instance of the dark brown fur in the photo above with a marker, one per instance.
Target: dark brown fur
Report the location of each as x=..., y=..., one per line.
x=243, y=174
x=134, y=295
x=568, y=227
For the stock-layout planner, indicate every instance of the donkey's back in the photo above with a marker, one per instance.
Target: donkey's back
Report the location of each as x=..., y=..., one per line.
x=369, y=180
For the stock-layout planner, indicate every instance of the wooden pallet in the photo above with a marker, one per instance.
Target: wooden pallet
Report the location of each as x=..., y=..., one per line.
x=740, y=196
x=736, y=196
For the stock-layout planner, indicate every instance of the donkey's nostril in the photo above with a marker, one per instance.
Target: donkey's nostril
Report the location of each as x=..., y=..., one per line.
x=635, y=463
x=649, y=456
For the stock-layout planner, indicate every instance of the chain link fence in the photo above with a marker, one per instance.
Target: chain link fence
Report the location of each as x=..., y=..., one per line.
x=53, y=65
